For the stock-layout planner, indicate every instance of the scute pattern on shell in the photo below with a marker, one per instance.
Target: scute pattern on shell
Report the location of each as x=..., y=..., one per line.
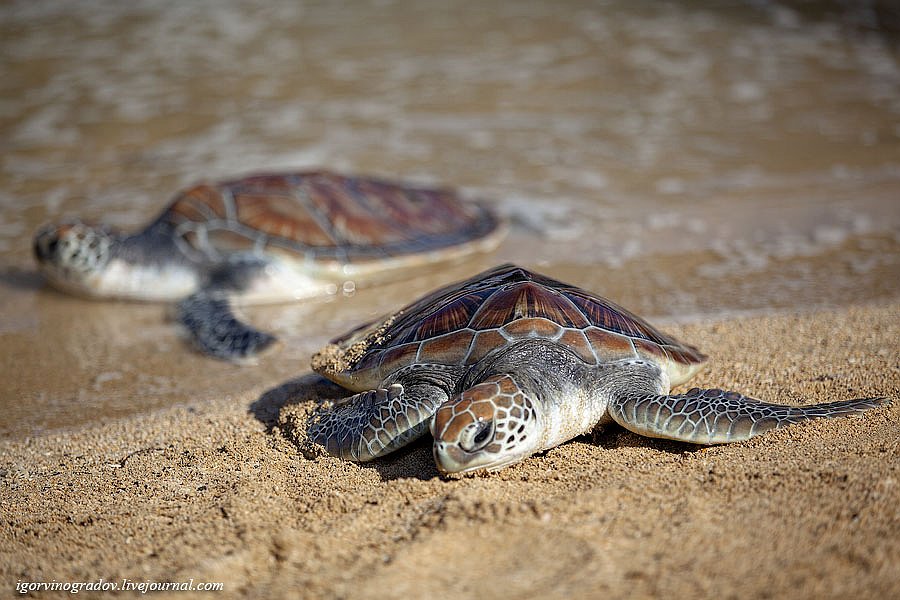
x=507, y=293
x=461, y=323
x=324, y=216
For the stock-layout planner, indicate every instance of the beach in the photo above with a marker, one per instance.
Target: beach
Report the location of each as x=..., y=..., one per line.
x=729, y=173
x=217, y=491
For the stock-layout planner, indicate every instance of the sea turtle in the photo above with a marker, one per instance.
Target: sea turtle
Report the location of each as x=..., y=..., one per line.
x=509, y=363
x=265, y=238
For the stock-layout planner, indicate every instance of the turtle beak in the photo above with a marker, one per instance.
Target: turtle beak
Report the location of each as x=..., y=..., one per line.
x=450, y=458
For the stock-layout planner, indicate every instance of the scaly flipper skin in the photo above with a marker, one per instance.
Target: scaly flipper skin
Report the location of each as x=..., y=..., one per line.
x=210, y=321
x=718, y=417
x=373, y=423
x=525, y=363
x=216, y=331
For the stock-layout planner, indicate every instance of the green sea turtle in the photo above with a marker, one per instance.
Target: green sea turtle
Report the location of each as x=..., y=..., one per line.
x=509, y=363
x=265, y=238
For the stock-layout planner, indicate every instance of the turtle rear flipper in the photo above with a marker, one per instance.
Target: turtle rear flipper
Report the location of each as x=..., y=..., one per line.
x=718, y=417
x=216, y=331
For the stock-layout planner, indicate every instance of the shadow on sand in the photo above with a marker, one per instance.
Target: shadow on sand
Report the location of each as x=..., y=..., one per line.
x=612, y=437
x=304, y=389
x=17, y=278
x=414, y=461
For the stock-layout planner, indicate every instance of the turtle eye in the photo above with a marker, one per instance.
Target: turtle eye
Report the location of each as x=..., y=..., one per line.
x=476, y=436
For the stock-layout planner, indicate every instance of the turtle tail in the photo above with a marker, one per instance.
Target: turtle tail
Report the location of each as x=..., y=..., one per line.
x=216, y=331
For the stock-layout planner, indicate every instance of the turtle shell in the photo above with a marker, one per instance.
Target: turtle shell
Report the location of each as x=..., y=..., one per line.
x=464, y=322
x=323, y=217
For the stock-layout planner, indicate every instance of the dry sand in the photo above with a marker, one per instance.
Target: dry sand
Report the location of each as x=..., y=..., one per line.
x=217, y=491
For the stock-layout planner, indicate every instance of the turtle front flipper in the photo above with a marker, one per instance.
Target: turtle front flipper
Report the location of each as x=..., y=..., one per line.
x=216, y=331
x=376, y=422
x=717, y=416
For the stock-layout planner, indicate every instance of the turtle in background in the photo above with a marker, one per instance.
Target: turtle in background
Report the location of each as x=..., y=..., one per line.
x=509, y=363
x=262, y=239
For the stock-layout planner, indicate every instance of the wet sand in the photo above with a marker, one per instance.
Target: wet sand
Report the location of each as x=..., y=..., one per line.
x=71, y=362
x=216, y=490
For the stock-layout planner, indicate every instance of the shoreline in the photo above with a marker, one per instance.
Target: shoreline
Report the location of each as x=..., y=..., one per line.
x=259, y=385
x=218, y=491
x=116, y=359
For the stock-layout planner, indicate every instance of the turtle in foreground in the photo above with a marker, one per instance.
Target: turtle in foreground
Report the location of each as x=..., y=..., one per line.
x=265, y=238
x=509, y=363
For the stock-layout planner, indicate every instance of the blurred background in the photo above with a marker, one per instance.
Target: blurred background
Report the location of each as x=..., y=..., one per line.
x=689, y=160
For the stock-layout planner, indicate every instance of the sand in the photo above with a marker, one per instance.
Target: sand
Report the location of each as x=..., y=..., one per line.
x=218, y=491
x=731, y=168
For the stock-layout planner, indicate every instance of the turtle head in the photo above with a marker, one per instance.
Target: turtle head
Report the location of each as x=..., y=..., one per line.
x=73, y=255
x=488, y=426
